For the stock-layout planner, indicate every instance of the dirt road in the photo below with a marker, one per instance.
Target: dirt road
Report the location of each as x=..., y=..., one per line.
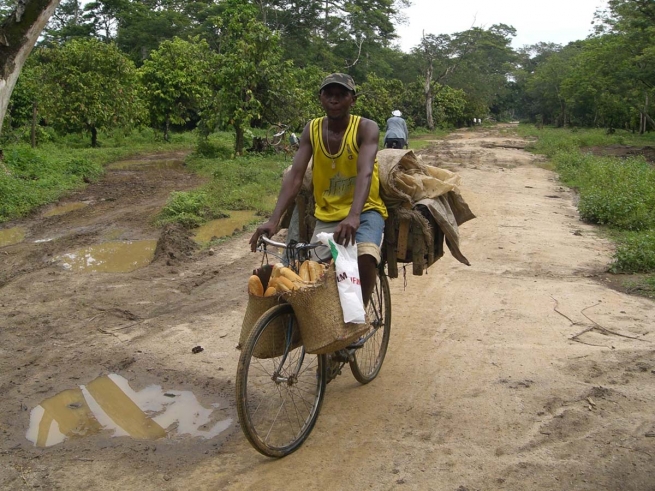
x=522, y=371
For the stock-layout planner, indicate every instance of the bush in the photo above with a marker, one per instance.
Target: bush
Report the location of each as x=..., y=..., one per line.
x=84, y=168
x=33, y=180
x=616, y=192
x=191, y=209
x=635, y=253
x=619, y=193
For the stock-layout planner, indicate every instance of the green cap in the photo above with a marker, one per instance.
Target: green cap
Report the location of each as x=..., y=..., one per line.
x=339, y=78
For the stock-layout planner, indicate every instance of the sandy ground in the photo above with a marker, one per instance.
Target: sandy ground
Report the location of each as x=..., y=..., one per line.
x=522, y=371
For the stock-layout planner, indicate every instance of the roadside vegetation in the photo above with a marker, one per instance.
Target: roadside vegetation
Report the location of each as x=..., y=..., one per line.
x=618, y=193
x=32, y=177
x=247, y=182
x=109, y=80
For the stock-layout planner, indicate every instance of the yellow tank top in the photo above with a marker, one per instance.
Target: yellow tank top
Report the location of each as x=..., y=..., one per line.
x=334, y=175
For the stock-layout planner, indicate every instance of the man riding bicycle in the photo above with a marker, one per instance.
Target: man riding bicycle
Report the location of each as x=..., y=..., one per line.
x=346, y=184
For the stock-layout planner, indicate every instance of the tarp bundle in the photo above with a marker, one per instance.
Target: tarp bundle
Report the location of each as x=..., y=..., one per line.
x=427, y=199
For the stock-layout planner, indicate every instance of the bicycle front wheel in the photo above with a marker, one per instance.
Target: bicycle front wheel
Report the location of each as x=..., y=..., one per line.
x=367, y=360
x=275, y=134
x=279, y=390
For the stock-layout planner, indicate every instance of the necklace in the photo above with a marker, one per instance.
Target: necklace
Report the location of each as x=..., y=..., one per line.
x=327, y=138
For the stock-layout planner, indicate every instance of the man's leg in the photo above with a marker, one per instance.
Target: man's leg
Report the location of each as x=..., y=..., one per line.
x=368, y=275
x=369, y=238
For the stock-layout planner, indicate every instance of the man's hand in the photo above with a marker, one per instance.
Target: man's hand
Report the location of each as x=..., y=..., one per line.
x=345, y=232
x=269, y=228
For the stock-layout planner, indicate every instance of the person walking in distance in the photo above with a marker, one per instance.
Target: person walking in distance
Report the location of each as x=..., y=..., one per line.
x=345, y=178
x=397, y=135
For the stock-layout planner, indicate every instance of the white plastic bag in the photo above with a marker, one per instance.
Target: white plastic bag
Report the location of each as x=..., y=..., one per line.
x=348, y=281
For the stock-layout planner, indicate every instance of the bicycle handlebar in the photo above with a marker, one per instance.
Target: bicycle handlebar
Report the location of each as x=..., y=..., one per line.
x=298, y=245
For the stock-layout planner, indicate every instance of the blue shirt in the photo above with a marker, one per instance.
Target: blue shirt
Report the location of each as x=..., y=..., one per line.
x=397, y=128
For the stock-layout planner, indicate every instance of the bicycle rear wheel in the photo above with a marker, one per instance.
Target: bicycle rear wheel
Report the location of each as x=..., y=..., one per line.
x=279, y=398
x=367, y=360
x=275, y=134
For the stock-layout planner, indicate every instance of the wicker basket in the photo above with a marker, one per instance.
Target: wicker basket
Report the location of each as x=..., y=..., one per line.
x=320, y=317
x=272, y=342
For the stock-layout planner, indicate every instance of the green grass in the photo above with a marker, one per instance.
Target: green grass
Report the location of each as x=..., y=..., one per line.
x=553, y=140
x=619, y=193
x=249, y=182
x=36, y=177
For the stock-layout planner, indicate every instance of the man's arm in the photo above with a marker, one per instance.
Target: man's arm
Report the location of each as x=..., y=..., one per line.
x=290, y=187
x=406, y=133
x=367, y=139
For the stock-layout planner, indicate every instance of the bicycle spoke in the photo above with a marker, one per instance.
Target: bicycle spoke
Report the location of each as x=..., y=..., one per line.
x=278, y=399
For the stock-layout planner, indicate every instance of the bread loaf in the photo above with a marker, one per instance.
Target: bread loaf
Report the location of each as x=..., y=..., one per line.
x=284, y=284
x=315, y=271
x=304, y=271
x=290, y=275
x=255, y=286
x=270, y=291
x=276, y=270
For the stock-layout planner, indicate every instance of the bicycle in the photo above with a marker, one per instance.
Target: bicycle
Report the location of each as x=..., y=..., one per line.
x=275, y=138
x=279, y=399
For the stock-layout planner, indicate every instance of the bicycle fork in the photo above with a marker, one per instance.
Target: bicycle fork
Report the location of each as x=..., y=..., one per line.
x=277, y=377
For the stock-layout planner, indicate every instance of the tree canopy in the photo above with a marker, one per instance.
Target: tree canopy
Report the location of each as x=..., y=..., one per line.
x=240, y=64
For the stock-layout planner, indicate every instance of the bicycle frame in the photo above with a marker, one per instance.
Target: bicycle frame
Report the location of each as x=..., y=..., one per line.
x=276, y=373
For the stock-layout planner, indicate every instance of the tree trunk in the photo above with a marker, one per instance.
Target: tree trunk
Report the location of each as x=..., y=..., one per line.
x=238, y=141
x=94, y=136
x=428, y=97
x=167, y=127
x=34, y=119
x=18, y=35
x=645, y=113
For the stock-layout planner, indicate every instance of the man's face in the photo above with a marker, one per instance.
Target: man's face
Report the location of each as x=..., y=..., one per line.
x=336, y=100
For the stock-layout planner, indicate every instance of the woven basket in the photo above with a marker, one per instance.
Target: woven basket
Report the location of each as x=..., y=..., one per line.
x=320, y=317
x=272, y=342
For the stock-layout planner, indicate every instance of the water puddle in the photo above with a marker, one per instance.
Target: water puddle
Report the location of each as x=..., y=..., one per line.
x=224, y=227
x=65, y=208
x=176, y=164
x=110, y=257
x=109, y=404
x=11, y=236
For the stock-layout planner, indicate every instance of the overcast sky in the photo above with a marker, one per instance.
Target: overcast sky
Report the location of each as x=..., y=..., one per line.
x=557, y=21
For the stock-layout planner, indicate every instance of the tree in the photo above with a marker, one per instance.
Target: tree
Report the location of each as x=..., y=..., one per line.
x=629, y=25
x=435, y=53
x=335, y=35
x=250, y=69
x=18, y=35
x=177, y=81
x=378, y=97
x=67, y=23
x=89, y=85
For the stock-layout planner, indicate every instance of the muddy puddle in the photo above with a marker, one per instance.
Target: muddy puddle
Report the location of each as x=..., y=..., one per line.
x=110, y=257
x=108, y=405
x=11, y=236
x=65, y=208
x=224, y=227
x=176, y=164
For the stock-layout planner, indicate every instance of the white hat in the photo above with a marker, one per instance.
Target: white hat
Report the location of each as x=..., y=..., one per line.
x=396, y=113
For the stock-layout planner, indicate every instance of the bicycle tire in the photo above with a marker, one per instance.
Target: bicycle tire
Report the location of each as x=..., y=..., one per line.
x=367, y=360
x=275, y=134
x=258, y=389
